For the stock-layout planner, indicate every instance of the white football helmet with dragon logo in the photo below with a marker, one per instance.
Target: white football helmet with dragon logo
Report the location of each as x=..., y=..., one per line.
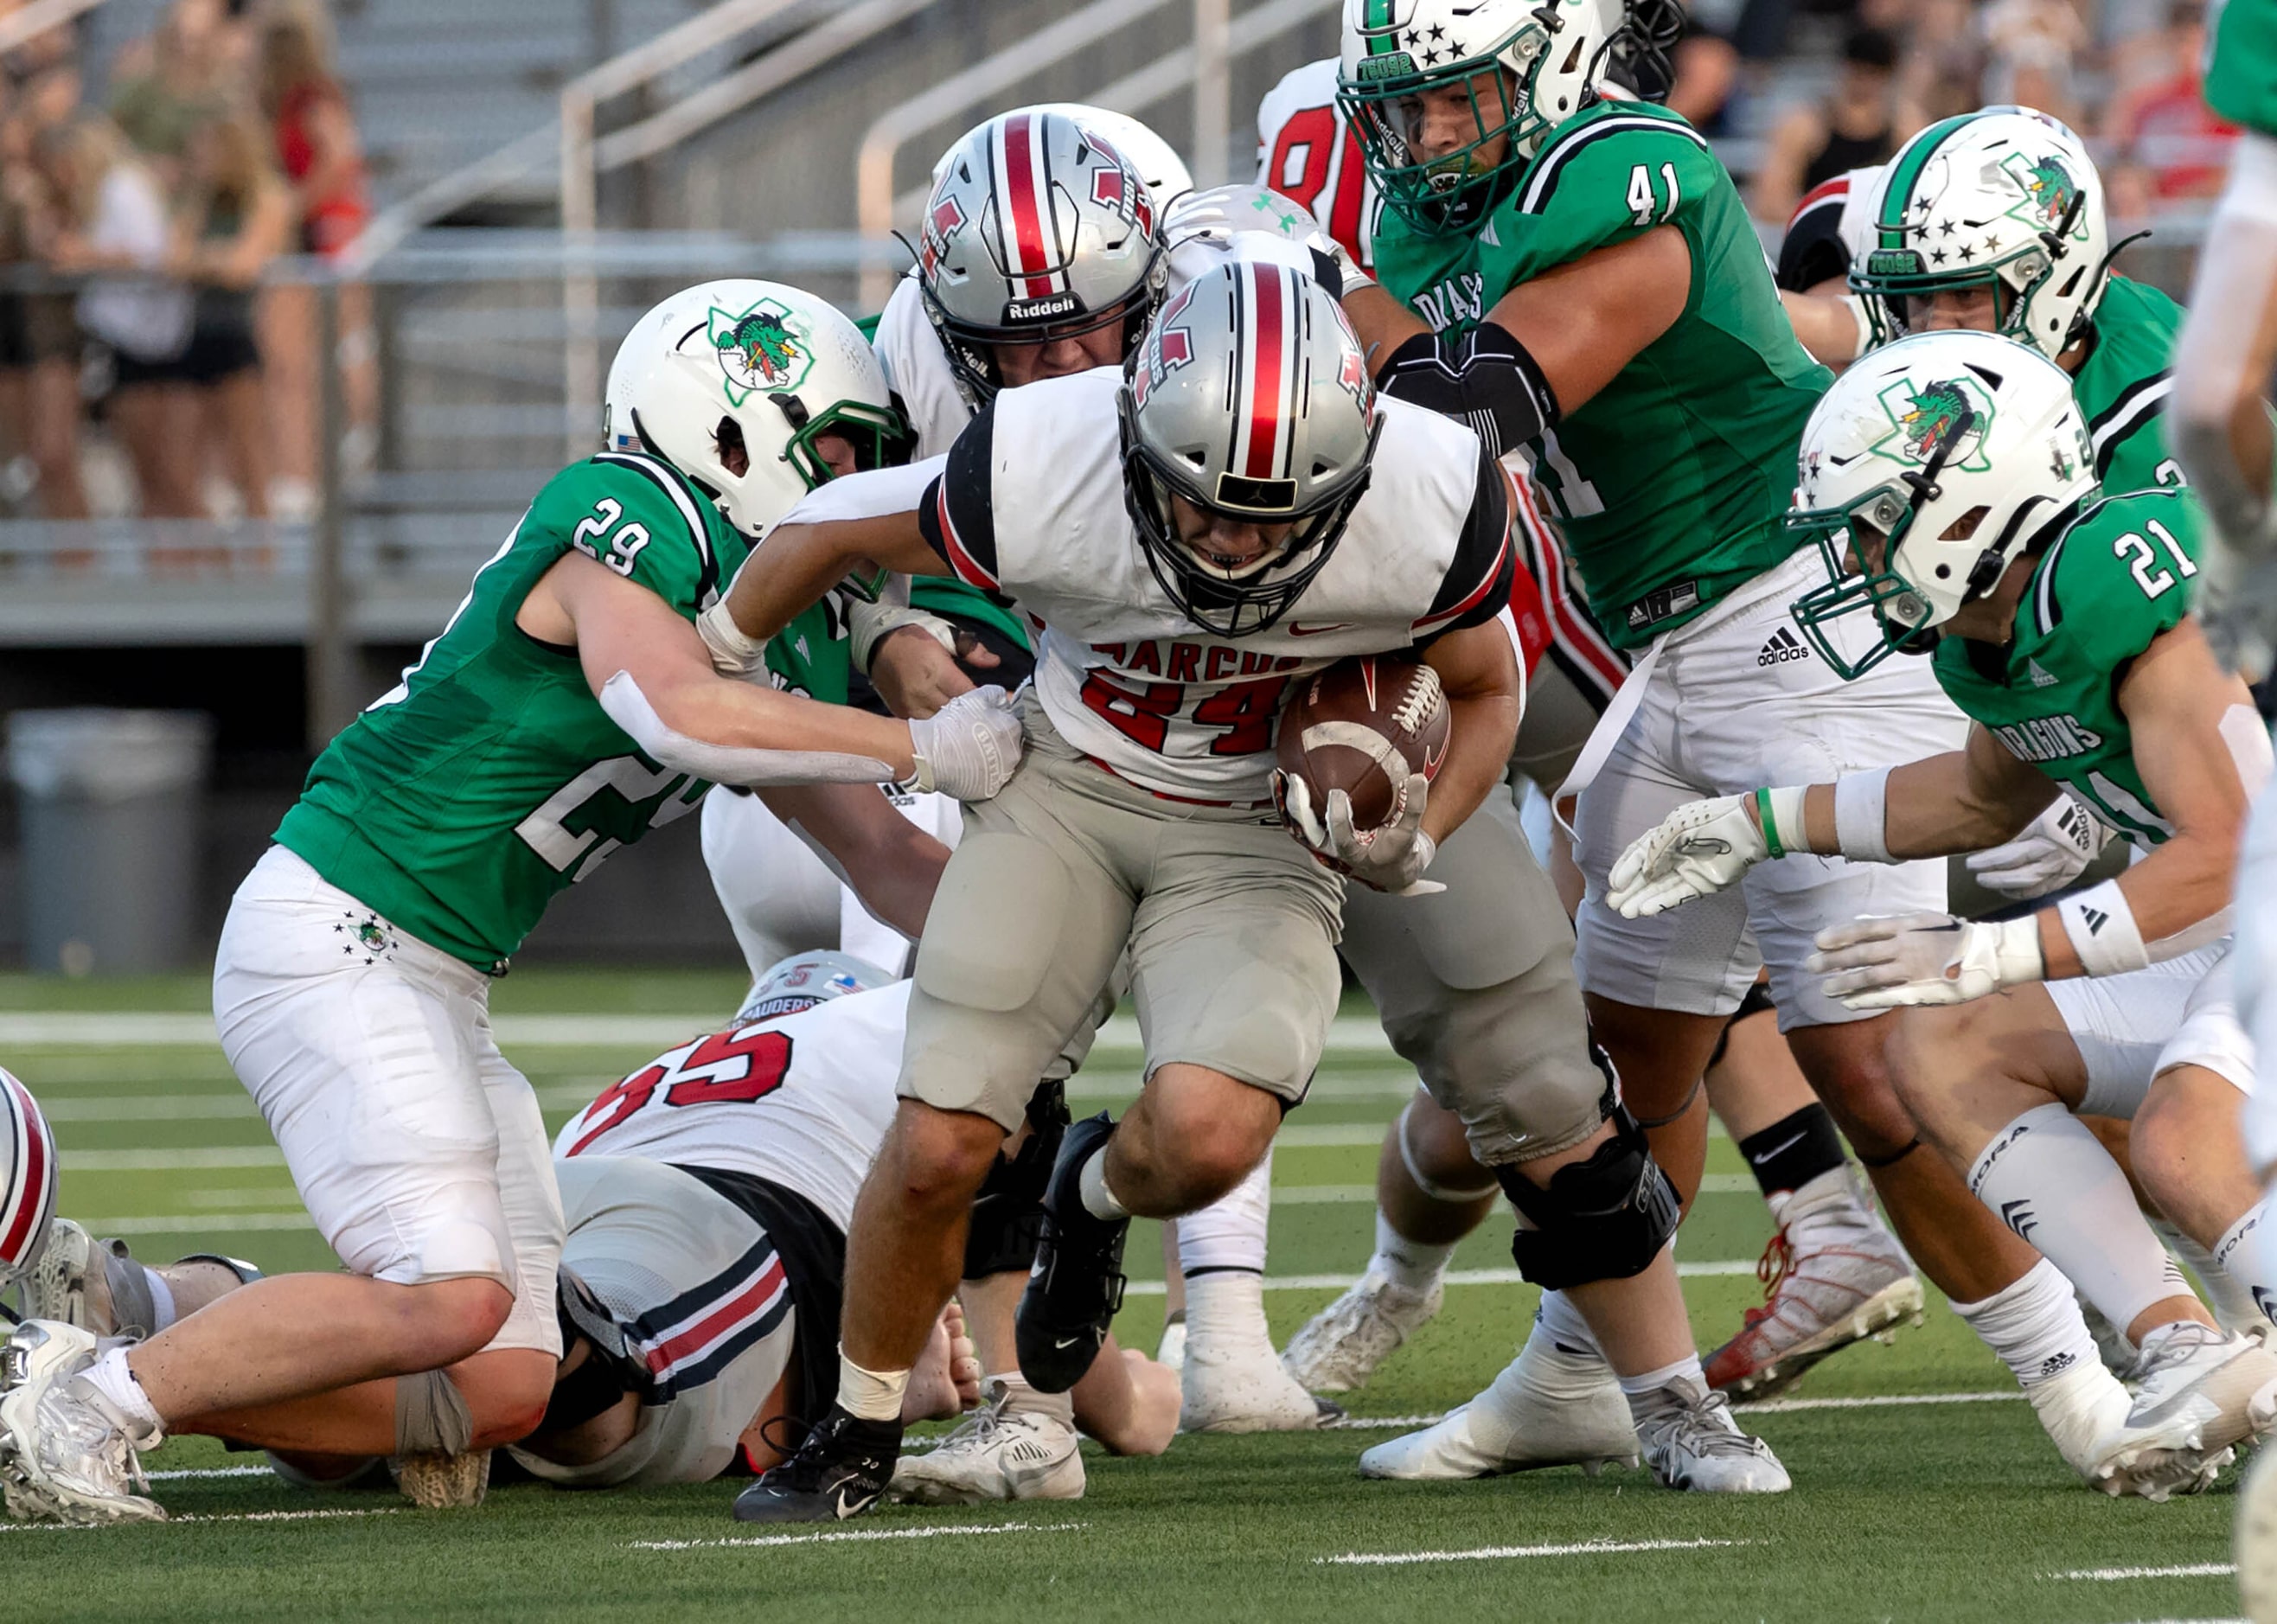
x=780, y=366
x=2006, y=198
x=1929, y=465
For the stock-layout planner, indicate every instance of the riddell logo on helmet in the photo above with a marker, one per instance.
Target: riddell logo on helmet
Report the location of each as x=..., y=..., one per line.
x=1042, y=310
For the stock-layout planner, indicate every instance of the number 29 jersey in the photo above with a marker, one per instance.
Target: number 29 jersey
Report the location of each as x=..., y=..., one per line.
x=1029, y=503
x=803, y=1101
x=489, y=778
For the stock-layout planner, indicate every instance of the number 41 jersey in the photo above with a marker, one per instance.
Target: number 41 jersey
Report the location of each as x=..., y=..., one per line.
x=1031, y=504
x=490, y=778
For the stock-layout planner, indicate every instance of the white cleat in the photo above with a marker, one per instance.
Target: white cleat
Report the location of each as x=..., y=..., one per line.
x=1339, y=1347
x=56, y=1289
x=1548, y=1408
x=1244, y=1389
x=2224, y=1383
x=1833, y=1275
x=1692, y=1444
x=995, y=1456
x=2257, y=1538
x=1171, y=1352
x=65, y=1454
x=2084, y=1411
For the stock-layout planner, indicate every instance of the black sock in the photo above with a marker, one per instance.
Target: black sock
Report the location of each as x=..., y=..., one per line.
x=1793, y=1150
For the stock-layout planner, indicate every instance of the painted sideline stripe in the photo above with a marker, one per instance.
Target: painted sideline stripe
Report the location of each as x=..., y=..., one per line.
x=171, y=1028
x=1454, y=1276
x=2180, y=1570
x=209, y=1471
x=1493, y=1554
x=848, y=1535
x=240, y=1517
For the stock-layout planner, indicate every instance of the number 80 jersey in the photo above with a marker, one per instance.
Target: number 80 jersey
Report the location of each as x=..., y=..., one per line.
x=490, y=778
x=1029, y=503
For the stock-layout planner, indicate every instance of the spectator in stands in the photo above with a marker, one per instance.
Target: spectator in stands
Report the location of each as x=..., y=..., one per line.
x=39, y=340
x=173, y=83
x=111, y=221
x=236, y=217
x=2031, y=47
x=1858, y=123
x=1942, y=71
x=317, y=148
x=2165, y=143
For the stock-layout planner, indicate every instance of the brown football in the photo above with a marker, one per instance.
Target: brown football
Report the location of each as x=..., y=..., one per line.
x=1355, y=725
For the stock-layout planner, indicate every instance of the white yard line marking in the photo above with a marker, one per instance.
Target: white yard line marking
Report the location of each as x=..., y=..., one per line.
x=180, y=1473
x=848, y=1534
x=171, y=1161
x=1496, y=1553
x=1454, y=1276
x=197, y=1223
x=1774, y=1407
x=242, y=1516
x=2180, y=1570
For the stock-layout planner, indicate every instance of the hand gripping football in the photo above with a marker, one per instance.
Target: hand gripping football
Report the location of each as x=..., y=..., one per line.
x=1364, y=726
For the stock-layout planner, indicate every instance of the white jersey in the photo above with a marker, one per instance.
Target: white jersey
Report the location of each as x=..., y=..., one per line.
x=803, y=1101
x=1031, y=503
x=917, y=368
x=1830, y=228
x=1307, y=151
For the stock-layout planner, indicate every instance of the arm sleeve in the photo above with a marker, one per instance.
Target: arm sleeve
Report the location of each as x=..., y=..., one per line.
x=957, y=516
x=1481, y=575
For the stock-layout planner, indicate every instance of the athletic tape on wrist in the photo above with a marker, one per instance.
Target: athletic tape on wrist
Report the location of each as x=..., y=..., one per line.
x=1780, y=812
x=869, y=624
x=734, y=653
x=2103, y=931
x=1860, y=322
x=1861, y=813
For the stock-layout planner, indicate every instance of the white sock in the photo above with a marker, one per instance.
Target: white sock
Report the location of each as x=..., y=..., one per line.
x=110, y=1376
x=1098, y=1199
x=1229, y=1232
x=162, y=1300
x=2245, y=1259
x=874, y=1395
x=1561, y=1323
x=1410, y=1264
x=2050, y=1179
x=2034, y=1325
x=2233, y=1307
x=1225, y=1309
x=1685, y=1369
x=1022, y=1400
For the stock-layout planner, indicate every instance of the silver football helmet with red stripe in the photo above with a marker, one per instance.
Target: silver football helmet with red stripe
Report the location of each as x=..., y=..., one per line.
x=27, y=1180
x=1249, y=399
x=1037, y=229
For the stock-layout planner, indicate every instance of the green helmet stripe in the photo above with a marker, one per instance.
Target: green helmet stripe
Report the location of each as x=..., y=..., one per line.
x=1898, y=190
x=1379, y=16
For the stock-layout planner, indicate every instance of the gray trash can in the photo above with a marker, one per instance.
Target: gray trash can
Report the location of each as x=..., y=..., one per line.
x=110, y=803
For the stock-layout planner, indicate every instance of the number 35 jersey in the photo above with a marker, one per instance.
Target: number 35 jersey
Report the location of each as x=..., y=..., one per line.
x=803, y=1101
x=1031, y=504
x=490, y=778
x=2116, y=578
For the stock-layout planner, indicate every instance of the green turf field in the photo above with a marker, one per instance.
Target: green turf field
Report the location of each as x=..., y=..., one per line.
x=1904, y=1507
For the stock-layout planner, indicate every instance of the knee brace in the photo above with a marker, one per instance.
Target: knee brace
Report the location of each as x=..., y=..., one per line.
x=1484, y=379
x=1757, y=1001
x=431, y=1416
x=1605, y=1218
x=1007, y=1214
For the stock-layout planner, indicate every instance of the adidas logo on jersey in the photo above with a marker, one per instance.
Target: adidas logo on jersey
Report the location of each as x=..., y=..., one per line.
x=1784, y=646
x=2039, y=674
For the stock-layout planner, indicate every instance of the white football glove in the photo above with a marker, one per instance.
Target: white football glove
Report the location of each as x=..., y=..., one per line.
x=969, y=747
x=733, y=654
x=2051, y=852
x=1701, y=848
x=1391, y=859
x=1916, y=958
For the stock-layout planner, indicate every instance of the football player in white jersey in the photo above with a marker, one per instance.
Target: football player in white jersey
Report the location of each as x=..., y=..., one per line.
x=1192, y=540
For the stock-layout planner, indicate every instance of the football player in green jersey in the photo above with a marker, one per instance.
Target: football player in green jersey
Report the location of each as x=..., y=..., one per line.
x=1994, y=221
x=1948, y=483
x=570, y=705
x=1574, y=273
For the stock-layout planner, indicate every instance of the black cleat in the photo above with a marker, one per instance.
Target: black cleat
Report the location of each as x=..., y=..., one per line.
x=838, y=1472
x=1077, y=1284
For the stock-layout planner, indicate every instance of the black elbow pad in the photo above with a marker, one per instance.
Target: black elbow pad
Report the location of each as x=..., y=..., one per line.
x=1485, y=378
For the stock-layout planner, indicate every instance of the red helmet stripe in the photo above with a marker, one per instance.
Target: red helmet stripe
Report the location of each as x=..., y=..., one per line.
x=34, y=1174
x=1022, y=202
x=1269, y=305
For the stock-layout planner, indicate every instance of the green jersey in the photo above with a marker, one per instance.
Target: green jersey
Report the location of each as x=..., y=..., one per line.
x=2115, y=579
x=2241, y=70
x=1671, y=482
x=2122, y=386
x=490, y=778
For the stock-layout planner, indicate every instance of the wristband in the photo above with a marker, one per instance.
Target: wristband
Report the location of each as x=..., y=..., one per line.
x=2103, y=931
x=869, y=624
x=1780, y=813
x=734, y=653
x=1862, y=816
